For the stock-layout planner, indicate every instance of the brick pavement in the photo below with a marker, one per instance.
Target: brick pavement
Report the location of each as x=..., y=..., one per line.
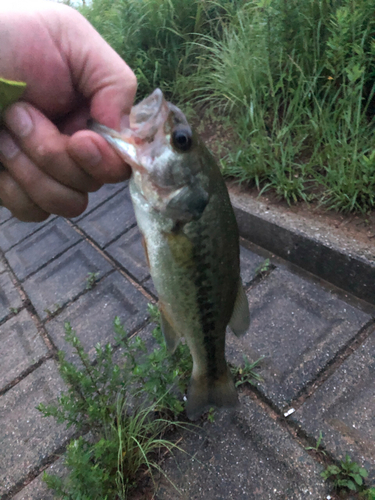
x=319, y=349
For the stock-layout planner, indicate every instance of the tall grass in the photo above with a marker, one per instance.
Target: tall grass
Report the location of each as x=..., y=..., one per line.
x=154, y=36
x=299, y=85
x=295, y=78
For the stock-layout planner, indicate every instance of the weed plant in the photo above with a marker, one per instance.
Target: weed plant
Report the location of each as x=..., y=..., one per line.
x=124, y=410
x=349, y=476
x=295, y=79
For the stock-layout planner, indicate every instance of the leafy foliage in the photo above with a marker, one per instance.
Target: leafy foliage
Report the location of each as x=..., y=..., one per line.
x=125, y=409
x=348, y=475
x=247, y=373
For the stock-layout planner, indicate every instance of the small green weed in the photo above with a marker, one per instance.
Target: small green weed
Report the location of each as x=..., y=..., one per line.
x=348, y=475
x=91, y=280
x=264, y=268
x=51, y=310
x=211, y=415
x=247, y=374
x=124, y=409
x=317, y=446
x=368, y=494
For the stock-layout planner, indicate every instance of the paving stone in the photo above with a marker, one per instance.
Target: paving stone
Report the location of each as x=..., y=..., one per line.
x=21, y=347
x=13, y=231
x=343, y=409
x=5, y=214
x=129, y=253
x=249, y=261
x=37, y=489
x=2, y=265
x=92, y=315
x=298, y=327
x=9, y=296
x=27, y=438
x=243, y=455
x=100, y=196
x=110, y=219
x=64, y=278
x=39, y=248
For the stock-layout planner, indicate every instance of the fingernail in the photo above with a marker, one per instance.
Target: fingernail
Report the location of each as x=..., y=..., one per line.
x=19, y=121
x=8, y=148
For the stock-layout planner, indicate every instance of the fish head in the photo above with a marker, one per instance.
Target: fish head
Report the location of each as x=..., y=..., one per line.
x=164, y=154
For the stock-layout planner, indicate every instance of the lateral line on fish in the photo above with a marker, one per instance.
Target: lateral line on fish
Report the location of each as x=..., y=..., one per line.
x=205, y=305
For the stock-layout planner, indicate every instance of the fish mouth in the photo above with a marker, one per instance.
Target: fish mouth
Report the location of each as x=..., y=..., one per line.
x=122, y=142
x=146, y=119
x=146, y=111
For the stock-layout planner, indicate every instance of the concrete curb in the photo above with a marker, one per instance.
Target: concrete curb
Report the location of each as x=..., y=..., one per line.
x=324, y=255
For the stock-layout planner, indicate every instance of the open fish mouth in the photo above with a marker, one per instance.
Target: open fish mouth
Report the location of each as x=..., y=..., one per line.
x=146, y=119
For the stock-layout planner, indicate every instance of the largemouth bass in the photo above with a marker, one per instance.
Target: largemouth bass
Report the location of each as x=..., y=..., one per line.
x=191, y=241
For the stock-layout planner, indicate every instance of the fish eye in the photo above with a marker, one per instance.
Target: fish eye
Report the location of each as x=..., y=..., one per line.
x=182, y=140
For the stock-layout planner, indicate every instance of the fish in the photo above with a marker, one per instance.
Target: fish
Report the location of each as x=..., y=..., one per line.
x=191, y=240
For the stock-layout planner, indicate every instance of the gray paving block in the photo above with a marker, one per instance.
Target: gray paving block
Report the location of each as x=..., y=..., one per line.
x=249, y=261
x=241, y=456
x=100, y=196
x=9, y=296
x=37, y=489
x=93, y=314
x=109, y=220
x=64, y=278
x=13, y=231
x=5, y=214
x=26, y=437
x=2, y=265
x=298, y=327
x=343, y=409
x=21, y=347
x=38, y=249
x=129, y=253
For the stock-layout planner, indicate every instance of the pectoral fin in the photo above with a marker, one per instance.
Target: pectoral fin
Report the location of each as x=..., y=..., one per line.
x=240, y=320
x=170, y=336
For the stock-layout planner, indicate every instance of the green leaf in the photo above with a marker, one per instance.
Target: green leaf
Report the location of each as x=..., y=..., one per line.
x=357, y=478
x=363, y=472
x=352, y=486
x=10, y=92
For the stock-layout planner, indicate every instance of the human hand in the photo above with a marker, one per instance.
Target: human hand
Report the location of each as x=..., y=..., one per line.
x=51, y=163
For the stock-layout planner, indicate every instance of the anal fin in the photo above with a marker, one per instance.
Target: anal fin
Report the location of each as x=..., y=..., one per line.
x=240, y=320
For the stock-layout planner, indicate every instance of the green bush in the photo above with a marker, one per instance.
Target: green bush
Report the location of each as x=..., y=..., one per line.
x=124, y=409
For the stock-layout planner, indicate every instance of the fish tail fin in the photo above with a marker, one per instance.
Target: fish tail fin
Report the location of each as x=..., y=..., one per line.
x=204, y=393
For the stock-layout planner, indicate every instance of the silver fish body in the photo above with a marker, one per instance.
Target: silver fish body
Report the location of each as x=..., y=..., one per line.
x=191, y=240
